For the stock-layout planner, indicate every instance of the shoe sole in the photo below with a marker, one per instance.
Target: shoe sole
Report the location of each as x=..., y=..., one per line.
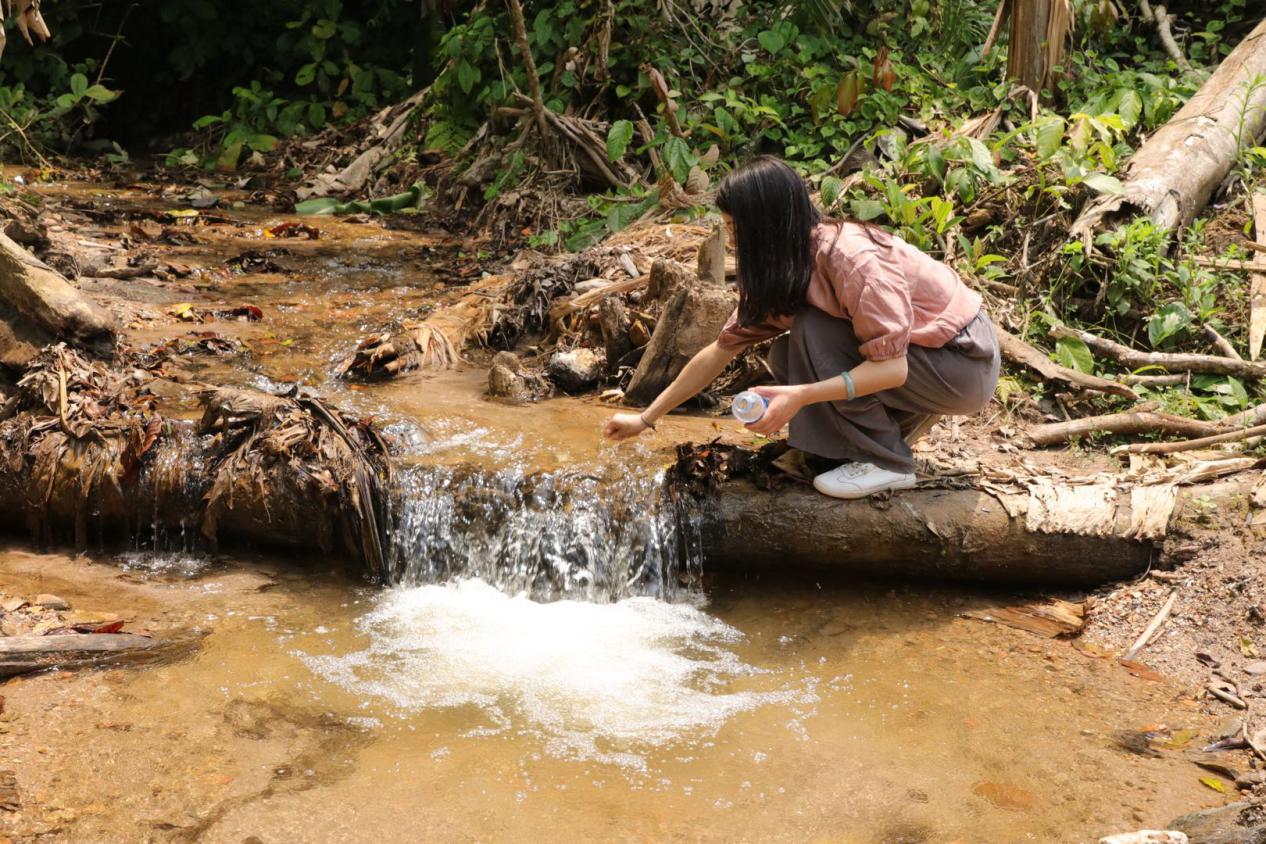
x=854, y=496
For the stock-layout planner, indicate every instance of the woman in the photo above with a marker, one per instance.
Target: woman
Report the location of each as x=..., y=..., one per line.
x=883, y=338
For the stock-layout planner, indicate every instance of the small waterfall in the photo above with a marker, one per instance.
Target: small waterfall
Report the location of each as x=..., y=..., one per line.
x=594, y=537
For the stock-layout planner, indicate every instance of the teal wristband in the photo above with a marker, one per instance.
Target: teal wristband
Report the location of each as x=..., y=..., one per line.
x=848, y=385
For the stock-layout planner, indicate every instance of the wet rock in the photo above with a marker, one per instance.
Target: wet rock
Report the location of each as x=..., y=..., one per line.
x=509, y=379
x=1238, y=823
x=1146, y=836
x=52, y=602
x=576, y=370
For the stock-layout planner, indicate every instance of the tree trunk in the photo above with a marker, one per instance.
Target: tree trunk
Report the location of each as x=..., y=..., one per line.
x=38, y=307
x=951, y=534
x=691, y=319
x=1039, y=31
x=1172, y=175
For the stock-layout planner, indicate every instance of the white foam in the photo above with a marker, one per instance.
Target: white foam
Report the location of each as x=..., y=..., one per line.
x=599, y=681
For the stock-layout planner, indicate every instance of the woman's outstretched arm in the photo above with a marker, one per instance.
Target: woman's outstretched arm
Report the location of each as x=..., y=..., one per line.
x=702, y=369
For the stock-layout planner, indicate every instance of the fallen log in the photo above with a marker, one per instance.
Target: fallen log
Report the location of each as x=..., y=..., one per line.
x=83, y=452
x=1135, y=359
x=1032, y=529
x=1192, y=445
x=1172, y=175
x=26, y=654
x=1120, y=424
x=951, y=534
x=38, y=306
x=1017, y=351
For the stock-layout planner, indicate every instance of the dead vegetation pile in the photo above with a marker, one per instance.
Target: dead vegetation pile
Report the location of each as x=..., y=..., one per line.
x=83, y=446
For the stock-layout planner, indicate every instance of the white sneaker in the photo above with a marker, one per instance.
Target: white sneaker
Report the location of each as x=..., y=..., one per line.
x=858, y=480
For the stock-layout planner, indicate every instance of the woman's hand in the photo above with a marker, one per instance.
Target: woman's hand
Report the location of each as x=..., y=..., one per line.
x=784, y=403
x=623, y=426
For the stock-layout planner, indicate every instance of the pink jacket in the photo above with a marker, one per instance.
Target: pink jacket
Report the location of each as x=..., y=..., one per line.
x=893, y=293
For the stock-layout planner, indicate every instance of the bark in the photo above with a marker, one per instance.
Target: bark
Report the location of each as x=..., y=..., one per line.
x=1136, y=422
x=1172, y=175
x=613, y=319
x=38, y=306
x=1038, y=33
x=1135, y=359
x=690, y=320
x=1192, y=445
x=666, y=278
x=943, y=534
x=1017, y=351
x=25, y=654
x=712, y=257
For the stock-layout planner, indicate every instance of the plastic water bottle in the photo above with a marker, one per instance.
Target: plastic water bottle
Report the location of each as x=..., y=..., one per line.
x=749, y=406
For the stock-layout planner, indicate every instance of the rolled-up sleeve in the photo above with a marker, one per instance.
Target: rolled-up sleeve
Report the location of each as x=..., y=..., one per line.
x=736, y=337
x=883, y=315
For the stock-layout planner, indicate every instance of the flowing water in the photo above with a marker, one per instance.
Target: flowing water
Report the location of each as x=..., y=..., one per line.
x=551, y=663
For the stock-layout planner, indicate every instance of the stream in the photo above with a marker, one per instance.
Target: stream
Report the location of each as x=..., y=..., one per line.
x=551, y=663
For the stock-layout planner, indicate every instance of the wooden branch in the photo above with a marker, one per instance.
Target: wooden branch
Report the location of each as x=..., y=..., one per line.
x=1174, y=380
x=1128, y=423
x=585, y=300
x=1228, y=264
x=1191, y=445
x=1163, y=20
x=1222, y=344
x=1017, y=351
x=1152, y=627
x=1257, y=282
x=996, y=29
x=670, y=106
x=1134, y=359
x=1250, y=417
x=529, y=64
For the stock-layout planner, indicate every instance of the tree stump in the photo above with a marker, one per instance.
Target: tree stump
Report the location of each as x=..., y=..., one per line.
x=691, y=319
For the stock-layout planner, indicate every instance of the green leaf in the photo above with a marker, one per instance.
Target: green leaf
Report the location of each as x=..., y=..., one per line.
x=306, y=74
x=1130, y=107
x=262, y=143
x=830, y=190
x=67, y=100
x=78, y=84
x=771, y=40
x=1167, y=322
x=618, y=137
x=316, y=115
x=980, y=155
x=319, y=205
x=227, y=162
x=324, y=29
x=467, y=76
x=678, y=158
x=1049, y=137
x=1074, y=354
x=867, y=209
x=1103, y=183
x=101, y=94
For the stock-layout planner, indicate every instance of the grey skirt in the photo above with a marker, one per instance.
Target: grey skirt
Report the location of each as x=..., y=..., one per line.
x=957, y=379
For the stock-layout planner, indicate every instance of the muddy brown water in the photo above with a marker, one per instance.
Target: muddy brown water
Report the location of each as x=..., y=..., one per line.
x=319, y=709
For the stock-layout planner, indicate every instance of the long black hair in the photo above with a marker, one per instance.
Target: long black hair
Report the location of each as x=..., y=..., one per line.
x=773, y=226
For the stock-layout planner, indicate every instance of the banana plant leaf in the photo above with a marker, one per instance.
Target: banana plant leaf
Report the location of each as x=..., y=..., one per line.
x=411, y=199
